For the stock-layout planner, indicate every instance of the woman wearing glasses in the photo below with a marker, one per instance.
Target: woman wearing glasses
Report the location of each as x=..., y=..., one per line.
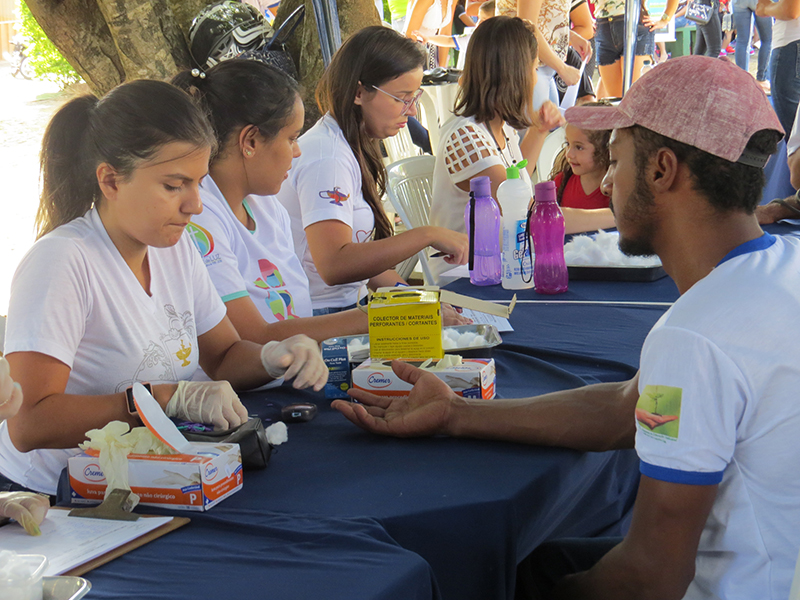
x=493, y=109
x=333, y=193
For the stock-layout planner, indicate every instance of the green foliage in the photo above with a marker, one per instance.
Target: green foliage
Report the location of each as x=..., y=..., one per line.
x=45, y=59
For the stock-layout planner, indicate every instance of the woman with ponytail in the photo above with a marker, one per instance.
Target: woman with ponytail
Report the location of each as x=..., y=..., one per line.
x=112, y=293
x=333, y=194
x=244, y=233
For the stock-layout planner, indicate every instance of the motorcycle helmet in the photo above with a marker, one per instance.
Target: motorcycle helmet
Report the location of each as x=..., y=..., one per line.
x=226, y=30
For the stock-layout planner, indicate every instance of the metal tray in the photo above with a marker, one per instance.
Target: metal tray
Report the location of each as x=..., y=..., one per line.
x=64, y=588
x=631, y=273
x=488, y=332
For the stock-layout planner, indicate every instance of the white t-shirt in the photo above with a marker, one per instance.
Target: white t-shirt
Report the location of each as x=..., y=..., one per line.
x=259, y=263
x=74, y=298
x=432, y=21
x=785, y=32
x=325, y=184
x=724, y=359
x=465, y=149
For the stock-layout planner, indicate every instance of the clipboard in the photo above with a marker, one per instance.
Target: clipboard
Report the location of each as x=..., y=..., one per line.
x=146, y=538
x=75, y=546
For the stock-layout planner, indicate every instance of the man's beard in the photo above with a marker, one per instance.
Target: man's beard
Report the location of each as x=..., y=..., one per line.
x=638, y=212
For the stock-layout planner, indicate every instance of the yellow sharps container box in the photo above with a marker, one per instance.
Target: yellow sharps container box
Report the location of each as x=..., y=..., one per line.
x=405, y=322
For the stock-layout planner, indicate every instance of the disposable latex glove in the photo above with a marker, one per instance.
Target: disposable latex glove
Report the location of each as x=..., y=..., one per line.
x=10, y=392
x=210, y=402
x=299, y=357
x=26, y=508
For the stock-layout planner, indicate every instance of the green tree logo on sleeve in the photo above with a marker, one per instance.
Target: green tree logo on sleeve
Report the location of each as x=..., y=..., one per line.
x=658, y=410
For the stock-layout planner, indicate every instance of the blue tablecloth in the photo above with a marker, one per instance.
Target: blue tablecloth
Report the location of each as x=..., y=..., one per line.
x=460, y=513
x=259, y=554
x=341, y=513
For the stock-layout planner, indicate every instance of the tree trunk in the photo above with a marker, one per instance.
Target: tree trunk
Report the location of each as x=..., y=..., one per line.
x=79, y=31
x=148, y=40
x=305, y=47
x=111, y=41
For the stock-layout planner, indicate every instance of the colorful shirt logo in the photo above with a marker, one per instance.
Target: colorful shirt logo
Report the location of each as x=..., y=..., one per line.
x=202, y=239
x=280, y=302
x=658, y=411
x=335, y=195
x=270, y=275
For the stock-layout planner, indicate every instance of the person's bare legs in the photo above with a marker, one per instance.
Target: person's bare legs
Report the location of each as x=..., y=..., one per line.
x=601, y=89
x=662, y=52
x=611, y=76
x=638, y=63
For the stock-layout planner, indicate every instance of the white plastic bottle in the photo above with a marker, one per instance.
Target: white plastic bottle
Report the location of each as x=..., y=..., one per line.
x=514, y=195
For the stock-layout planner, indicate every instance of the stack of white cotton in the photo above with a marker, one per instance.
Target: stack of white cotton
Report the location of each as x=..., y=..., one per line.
x=452, y=338
x=603, y=251
x=21, y=575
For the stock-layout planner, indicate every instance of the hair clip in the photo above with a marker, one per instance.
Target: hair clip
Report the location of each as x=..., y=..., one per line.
x=198, y=73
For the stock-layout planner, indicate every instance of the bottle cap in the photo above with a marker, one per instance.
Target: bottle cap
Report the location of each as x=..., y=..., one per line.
x=512, y=172
x=545, y=191
x=480, y=186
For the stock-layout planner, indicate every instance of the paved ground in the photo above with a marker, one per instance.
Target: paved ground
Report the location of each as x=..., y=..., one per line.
x=25, y=108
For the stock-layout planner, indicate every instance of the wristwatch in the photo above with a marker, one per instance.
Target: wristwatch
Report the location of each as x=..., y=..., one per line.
x=131, y=404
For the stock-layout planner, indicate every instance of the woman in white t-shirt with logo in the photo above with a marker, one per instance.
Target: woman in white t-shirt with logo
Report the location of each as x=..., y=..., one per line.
x=112, y=293
x=494, y=101
x=333, y=194
x=244, y=233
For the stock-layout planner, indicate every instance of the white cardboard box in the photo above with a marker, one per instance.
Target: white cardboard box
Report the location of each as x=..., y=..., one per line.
x=192, y=482
x=473, y=378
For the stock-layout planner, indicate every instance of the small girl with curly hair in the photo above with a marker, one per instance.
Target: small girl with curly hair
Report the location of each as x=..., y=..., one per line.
x=578, y=171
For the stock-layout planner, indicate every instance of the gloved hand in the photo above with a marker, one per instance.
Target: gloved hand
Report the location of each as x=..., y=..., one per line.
x=10, y=392
x=26, y=508
x=210, y=402
x=299, y=357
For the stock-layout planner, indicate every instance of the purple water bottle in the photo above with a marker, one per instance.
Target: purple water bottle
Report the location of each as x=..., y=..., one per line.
x=547, y=227
x=482, y=216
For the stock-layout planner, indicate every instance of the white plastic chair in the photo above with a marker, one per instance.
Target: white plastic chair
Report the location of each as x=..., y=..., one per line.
x=551, y=147
x=429, y=116
x=400, y=146
x=408, y=186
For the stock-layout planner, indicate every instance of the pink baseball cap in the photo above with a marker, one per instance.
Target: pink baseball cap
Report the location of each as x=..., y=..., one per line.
x=704, y=102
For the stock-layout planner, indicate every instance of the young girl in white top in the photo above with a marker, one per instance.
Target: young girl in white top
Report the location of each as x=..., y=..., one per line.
x=244, y=233
x=113, y=293
x=494, y=101
x=333, y=194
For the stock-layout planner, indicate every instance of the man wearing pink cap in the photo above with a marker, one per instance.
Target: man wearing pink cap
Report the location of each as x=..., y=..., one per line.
x=713, y=411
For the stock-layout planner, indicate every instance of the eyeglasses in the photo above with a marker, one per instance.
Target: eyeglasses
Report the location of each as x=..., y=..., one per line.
x=406, y=103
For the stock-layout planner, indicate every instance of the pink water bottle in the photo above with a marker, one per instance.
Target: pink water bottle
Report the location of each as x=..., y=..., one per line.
x=550, y=274
x=482, y=218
